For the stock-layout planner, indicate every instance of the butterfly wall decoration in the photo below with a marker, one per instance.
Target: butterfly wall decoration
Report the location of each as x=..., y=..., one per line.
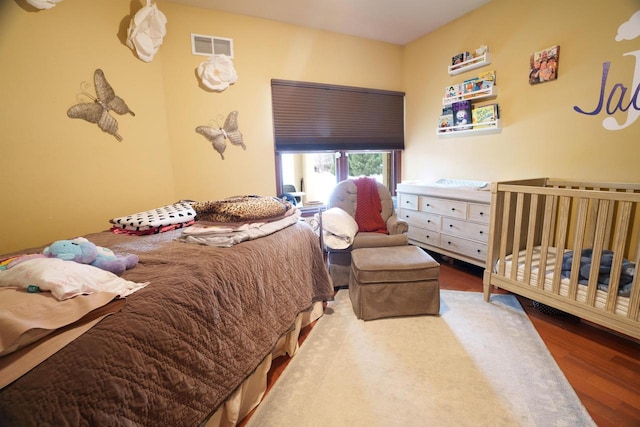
x=98, y=110
x=218, y=136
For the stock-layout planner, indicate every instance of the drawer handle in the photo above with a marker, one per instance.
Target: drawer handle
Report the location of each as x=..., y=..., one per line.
x=428, y=204
x=407, y=201
x=450, y=225
x=428, y=221
x=453, y=209
x=482, y=232
x=479, y=251
x=448, y=243
x=481, y=213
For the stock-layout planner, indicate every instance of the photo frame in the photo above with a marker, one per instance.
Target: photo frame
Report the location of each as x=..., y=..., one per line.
x=543, y=65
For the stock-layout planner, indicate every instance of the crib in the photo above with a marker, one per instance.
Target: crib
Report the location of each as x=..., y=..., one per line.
x=538, y=224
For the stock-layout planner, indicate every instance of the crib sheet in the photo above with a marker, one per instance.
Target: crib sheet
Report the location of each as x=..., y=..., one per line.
x=622, y=303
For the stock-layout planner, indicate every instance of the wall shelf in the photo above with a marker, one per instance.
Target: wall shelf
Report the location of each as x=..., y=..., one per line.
x=470, y=64
x=472, y=96
x=476, y=129
x=453, y=95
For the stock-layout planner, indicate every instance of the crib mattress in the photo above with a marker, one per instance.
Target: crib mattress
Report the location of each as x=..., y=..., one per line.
x=621, y=305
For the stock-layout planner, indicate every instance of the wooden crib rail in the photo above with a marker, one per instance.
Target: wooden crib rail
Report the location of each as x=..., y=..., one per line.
x=534, y=222
x=563, y=192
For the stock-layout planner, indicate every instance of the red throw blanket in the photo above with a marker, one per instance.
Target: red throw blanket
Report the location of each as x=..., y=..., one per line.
x=369, y=206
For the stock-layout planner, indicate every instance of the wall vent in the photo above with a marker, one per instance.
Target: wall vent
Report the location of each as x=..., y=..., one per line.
x=208, y=45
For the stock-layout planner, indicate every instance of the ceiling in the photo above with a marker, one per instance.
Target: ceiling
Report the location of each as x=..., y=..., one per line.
x=394, y=21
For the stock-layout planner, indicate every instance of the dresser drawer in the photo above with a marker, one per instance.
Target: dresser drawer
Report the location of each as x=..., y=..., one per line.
x=423, y=235
x=462, y=246
x=448, y=221
x=408, y=201
x=451, y=208
x=466, y=229
x=420, y=219
x=479, y=213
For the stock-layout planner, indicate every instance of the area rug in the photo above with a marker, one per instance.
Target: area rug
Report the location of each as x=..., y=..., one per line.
x=476, y=364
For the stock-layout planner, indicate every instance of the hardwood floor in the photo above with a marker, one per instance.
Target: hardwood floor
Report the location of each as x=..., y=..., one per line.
x=603, y=367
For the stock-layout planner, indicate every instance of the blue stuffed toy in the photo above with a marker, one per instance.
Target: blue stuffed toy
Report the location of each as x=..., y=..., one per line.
x=85, y=252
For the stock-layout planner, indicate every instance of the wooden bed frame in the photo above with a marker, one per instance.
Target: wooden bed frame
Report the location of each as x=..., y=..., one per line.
x=533, y=220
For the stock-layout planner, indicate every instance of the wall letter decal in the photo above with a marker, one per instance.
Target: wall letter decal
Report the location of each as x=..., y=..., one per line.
x=615, y=102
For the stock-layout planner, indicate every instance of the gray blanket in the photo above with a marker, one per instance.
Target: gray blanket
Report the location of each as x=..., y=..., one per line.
x=604, y=270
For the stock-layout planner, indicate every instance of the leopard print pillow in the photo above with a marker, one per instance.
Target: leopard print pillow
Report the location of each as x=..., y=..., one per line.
x=241, y=209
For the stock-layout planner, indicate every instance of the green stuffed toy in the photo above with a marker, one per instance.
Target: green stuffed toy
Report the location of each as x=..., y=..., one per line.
x=85, y=252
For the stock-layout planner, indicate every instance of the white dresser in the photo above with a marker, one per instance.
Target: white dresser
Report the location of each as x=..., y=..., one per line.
x=450, y=220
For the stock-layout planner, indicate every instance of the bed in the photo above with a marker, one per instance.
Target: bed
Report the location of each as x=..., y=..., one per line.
x=193, y=346
x=573, y=246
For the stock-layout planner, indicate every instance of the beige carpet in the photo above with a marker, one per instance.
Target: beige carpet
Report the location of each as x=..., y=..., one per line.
x=476, y=364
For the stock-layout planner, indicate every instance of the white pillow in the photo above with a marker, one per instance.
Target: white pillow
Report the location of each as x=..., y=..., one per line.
x=339, y=228
x=66, y=279
x=177, y=213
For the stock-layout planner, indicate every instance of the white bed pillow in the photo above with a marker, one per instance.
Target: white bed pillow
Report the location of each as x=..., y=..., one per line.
x=66, y=279
x=339, y=228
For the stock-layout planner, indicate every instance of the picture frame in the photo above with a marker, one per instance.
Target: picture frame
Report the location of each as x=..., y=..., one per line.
x=543, y=65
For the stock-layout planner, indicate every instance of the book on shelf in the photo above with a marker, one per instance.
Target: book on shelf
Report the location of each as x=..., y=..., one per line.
x=488, y=76
x=496, y=108
x=446, y=119
x=458, y=59
x=462, y=115
x=483, y=49
x=463, y=57
x=485, y=114
x=486, y=85
x=452, y=91
x=472, y=87
x=469, y=86
x=484, y=81
x=446, y=123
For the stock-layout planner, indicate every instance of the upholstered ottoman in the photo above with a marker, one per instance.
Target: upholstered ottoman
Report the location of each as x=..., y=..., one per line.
x=393, y=281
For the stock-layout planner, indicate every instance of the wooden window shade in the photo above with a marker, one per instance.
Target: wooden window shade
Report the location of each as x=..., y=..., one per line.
x=319, y=117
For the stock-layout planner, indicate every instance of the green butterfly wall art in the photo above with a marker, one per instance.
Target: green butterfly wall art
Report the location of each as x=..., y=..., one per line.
x=98, y=111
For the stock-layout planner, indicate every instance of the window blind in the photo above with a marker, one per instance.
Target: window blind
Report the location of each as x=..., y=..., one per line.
x=319, y=117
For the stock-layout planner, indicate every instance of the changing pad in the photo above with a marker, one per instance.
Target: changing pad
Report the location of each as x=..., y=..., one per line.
x=462, y=183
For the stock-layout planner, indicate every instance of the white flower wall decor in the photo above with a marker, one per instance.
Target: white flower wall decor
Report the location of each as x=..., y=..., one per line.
x=146, y=31
x=43, y=4
x=217, y=73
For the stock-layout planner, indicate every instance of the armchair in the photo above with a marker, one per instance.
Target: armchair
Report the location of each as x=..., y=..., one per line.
x=345, y=197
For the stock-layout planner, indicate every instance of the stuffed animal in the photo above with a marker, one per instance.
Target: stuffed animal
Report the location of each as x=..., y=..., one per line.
x=85, y=252
x=79, y=250
x=117, y=264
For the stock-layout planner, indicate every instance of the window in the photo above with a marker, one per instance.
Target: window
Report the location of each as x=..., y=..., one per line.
x=313, y=175
x=326, y=133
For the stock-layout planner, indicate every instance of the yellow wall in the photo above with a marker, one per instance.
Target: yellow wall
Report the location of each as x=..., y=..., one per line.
x=542, y=134
x=64, y=177
x=263, y=50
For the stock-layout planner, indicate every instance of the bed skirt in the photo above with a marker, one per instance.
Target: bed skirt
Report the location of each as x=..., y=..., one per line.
x=252, y=390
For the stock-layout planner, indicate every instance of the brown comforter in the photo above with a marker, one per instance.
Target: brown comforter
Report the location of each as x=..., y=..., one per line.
x=179, y=347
